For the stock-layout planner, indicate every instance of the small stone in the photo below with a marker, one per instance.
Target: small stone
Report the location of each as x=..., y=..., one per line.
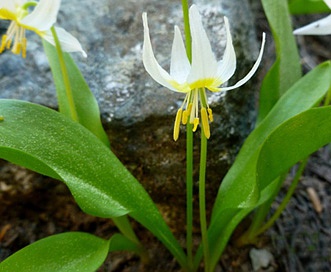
x=261, y=259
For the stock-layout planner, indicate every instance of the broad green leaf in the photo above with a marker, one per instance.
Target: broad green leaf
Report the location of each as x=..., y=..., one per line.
x=286, y=70
x=239, y=192
x=48, y=142
x=294, y=140
x=307, y=6
x=66, y=252
x=86, y=105
x=71, y=251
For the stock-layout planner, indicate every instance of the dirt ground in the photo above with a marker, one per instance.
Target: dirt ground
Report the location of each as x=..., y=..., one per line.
x=33, y=206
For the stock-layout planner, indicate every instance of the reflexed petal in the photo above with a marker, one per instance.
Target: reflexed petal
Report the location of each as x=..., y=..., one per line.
x=8, y=10
x=68, y=42
x=6, y=14
x=204, y=64
x=8, y=5
x=320, y=27
x=328, y=3
x=151, y=65
x=180, y=65
x=43, y=16
x=251, y=72
x=227, y=66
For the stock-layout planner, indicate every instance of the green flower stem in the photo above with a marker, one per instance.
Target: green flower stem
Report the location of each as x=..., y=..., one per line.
x=189, y=152
x=286, y=199
x=189, y=194
x=65, y=75
x=187, y=30
x=202, y=200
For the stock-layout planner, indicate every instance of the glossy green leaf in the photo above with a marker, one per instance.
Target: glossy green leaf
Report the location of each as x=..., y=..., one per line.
x=48, y=142
x=286, y=70
x=85, y=103
x=239, y=192
x=307, y=6
x=67, y=252
x=294, y=140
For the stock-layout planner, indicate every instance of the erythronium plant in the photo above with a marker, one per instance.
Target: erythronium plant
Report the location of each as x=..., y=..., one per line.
x=33, y=136
x=40, y=20
x=193, y=78
x=320, y=27
x=205, y=72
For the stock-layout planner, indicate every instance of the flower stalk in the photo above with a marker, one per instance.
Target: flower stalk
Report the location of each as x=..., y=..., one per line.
x=189, y=149
x=65, y=77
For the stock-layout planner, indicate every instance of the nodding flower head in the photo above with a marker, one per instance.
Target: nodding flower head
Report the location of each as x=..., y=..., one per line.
x=205, y=72
x=40, y=20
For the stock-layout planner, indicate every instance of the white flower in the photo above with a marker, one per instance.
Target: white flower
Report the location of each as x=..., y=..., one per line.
x=205, y=72
x=320, y=27
x=40, y=20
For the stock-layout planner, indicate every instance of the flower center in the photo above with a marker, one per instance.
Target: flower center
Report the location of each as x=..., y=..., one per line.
x=16, y=33
x=193, y=100
x=211, y=84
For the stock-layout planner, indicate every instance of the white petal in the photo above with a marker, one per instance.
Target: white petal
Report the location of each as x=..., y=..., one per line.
x=251, y=72
x=68, y=42
x=320, y=27
x=151, y=65
x=227, y=66
x=8, y=5
x=43, y=16
x=180, y=65
x=8, y=9
x=204, y=64
x=328, y=3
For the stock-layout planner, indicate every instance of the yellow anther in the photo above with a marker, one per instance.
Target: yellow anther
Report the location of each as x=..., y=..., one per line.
x=16, y=48
x=189, y=108
x=3, y=43
x=205, y=122
x=24, y=48
x=195, y=124
x=210, y=115
x=8, y=44
x=186, y=114
x=185, y=117
x=177, y=124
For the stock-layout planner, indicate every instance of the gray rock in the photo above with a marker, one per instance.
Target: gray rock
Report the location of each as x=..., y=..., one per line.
x=137, y=112
x=262, y=260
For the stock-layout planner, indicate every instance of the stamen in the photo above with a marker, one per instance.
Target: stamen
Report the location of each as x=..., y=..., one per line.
x=16, y=33
x=177, y=124
x=205, y=123
x=16, y=48
x=195, y=104
x=3, y=43
x=8, y=44
x=186, y=114
x=195, y=124
x=210, y=115
x=24, y=48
